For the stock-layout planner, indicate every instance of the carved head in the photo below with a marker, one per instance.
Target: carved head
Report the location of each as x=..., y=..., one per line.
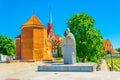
x=67, y=31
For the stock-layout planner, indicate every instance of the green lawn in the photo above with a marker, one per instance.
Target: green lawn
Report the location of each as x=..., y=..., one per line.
x=116, y=63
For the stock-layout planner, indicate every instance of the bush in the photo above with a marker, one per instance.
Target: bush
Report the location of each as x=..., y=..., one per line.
x=77, y=59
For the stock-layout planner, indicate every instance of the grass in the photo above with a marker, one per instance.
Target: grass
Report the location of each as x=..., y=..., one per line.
x=116, y=63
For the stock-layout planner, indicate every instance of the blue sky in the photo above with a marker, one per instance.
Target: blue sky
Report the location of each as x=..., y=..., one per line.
x=14, y=13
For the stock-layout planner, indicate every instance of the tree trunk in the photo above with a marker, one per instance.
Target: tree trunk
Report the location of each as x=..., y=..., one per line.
x=84, y=60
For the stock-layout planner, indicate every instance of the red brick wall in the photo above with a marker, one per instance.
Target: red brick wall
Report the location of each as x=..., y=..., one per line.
x=18, y=48
x=38, y=43
x=35, y=43
x=27, y=43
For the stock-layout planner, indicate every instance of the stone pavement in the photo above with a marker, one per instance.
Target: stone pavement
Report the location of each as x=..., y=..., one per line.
x=28, y=71
x=104, y=66
x=14, y=68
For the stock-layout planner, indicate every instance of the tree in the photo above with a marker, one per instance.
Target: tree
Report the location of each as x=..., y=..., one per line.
x=7, y=46
x=89, y=41
x=118, y=49
x=59, y=51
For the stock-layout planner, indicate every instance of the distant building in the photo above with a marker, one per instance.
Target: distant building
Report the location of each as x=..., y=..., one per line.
x=33, y=42
x=5, y=58
x=114, y=52
x=109, y=47
x=54, y=38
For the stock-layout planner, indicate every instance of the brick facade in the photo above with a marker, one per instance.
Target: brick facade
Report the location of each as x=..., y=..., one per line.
x=107, y=45
x=33, y=42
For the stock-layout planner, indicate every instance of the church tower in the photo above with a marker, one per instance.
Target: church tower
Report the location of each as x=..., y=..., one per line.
x=50, y=28
x=54, y=38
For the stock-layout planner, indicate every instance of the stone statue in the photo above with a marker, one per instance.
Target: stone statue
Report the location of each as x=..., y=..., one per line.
x=69, y=48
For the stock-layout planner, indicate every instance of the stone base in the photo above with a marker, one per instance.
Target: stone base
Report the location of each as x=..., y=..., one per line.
x=78, y=67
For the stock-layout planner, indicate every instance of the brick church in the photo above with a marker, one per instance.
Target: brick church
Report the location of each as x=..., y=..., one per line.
x=54, y=38
x=36, y=42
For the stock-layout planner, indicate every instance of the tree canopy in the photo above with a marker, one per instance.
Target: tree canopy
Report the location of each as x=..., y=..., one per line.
x=7, y=46
x=89, y=41
x=118, y=49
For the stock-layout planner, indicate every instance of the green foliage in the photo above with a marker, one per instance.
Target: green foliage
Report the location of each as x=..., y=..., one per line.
x=77, y=59
x=89, y=40
x=116, y=63
x=118, y=49
x=59, y=51
x=7, y=46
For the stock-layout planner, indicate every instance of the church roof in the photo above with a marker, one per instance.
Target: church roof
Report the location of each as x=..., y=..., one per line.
x=107, y=42
x=33, y=21
x=114, y=52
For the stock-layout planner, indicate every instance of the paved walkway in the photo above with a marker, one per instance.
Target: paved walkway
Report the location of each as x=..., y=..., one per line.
x=14, y=68
x=28, y=71
x=104, y=66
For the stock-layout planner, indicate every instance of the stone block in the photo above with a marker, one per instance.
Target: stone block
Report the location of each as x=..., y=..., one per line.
x=69, y=55
x=79, y=67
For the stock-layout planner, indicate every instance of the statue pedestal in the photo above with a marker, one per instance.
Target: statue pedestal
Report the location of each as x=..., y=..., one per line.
x=78, y=67
x=69, y=54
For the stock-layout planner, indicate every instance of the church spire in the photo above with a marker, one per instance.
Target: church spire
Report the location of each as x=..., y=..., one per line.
x=50, y=17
